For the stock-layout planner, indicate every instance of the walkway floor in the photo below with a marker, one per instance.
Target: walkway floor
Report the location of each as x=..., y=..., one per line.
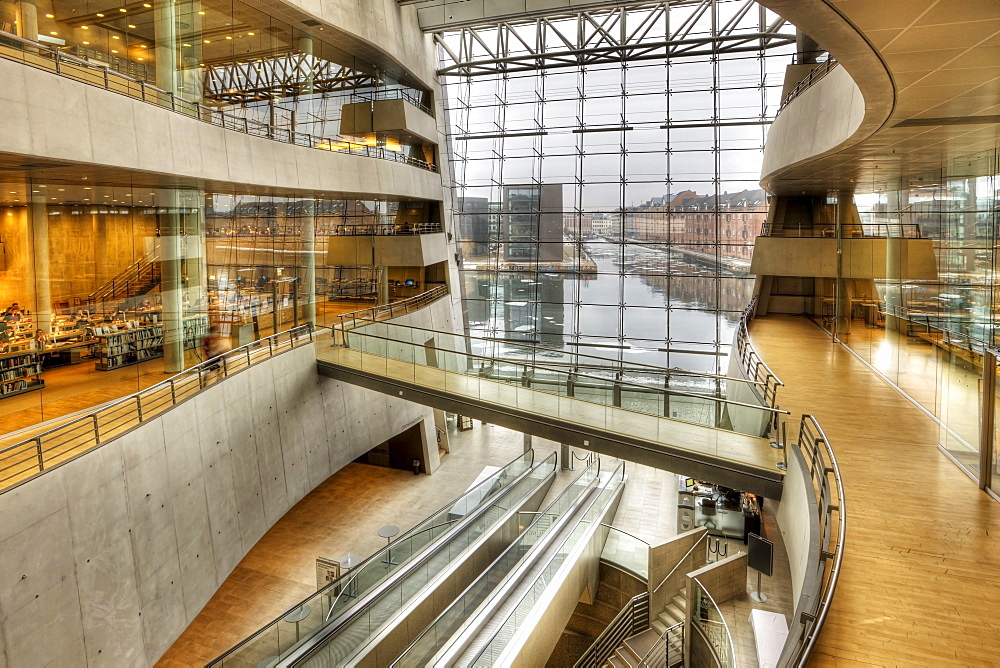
x=921, y=573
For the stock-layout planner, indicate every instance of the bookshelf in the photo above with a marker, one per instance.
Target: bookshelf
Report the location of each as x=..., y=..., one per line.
x=19, y=373
x=135, y=343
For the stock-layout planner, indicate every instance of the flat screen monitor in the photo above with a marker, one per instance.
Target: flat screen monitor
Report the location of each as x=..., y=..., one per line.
x=409, y=282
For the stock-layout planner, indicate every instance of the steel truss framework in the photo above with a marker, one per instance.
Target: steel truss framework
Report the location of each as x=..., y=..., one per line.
x=615, y=35
x=280, y=77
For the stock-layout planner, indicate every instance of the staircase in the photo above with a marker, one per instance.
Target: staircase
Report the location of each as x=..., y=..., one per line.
x=634, y=649
x=135, y=280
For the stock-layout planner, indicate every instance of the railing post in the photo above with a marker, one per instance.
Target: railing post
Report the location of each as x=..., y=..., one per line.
x=38, y=449
x=58, y=63
x=138, y=405
x=173, y=393
x=97, y=431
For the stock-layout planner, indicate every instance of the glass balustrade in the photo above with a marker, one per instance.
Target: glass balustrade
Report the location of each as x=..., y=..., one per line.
x=442, y=361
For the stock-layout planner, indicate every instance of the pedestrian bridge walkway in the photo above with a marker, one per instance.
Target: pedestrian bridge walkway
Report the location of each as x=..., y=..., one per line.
x=664, y=418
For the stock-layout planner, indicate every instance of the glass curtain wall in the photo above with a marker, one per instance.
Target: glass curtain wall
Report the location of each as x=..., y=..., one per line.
x=106, y=290
x=611, y=209
x=931, y=334
x=226, y=55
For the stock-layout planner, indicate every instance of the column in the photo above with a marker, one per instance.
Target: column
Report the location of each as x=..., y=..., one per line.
x=308, y=245
x=171, y=282
x=40, y=259
x=896, y=201
x=382, y=296
x=164, y=42
x=565, y=456
x=27, y=20
x=845, y=287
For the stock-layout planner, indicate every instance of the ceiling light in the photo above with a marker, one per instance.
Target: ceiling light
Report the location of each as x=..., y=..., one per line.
x=86, y=42
x=130, y=25
x=115, y=37
x=114, y=50
x=100, y=14
x=187, y=45
x=142, y=46
x=50, y=16
x=13, y=192
x=34, y=191
x=53, y=33
x=140, y=58
x=250, y=33
x=201, y=13
x=122, y=10
x=62, y=190
x=147, y=5
x=87, y=188
x=85, y=27
x=229, y=36
x=208, y=41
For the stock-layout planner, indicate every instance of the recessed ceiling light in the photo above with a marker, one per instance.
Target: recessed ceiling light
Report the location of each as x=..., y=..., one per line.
x=250, y=33
x=122, y=10
x=87, y=188
x=86, y=42
x=34, y=191
x=229, y=36
x=115, y=37
x=53, y=33
x=50, y=16
x=142, y=46
x=62, y=190
x=208, y=41
x=130, y=25
x=114, y=50
x=85, y=27
x=100, y=14
x=140, y=58
x=13, y=192
x=201, y=13
x=147, y=5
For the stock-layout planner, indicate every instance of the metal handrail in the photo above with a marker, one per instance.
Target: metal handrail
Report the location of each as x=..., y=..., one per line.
x=725, y=625
x=624, y=384
x=117, y=82
x=601, y=362
x=687, y=554
x=111, y=420
x=390, y=310
x=385, y=229
x=822, y=463
x=850, y=231
x=649, y=660
x=128, y=275
x=814, y=75
x=751, y=363
x=624, y=625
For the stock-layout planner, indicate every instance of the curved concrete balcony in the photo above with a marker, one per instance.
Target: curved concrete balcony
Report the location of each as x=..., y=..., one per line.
x=912, y=80
x=56, y=121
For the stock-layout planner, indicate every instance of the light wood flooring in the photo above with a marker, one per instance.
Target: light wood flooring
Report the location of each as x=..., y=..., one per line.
x=921, y=574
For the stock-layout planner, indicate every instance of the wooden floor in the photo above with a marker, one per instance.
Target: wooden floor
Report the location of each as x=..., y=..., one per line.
x=921, y=572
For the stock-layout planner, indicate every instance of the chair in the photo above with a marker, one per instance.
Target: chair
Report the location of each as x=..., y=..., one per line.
x=708, y=510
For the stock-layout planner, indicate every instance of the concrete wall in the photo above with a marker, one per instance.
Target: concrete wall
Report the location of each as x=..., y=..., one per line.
x=379, y=31
x=862, y=258
x=664, y=557
x=798, y=521
x=823, y=119
x=49, y=117
x=115, y=552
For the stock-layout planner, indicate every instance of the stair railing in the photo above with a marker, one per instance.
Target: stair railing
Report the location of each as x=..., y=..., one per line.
x=632, y=619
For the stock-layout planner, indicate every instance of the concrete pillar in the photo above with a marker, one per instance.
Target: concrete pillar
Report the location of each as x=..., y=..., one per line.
x=39, y=214
x=844, y=294
x=194, y=252
x=171, y=282
x=27, y=20
x=895, y=203
x=164, y=41
x=305, y=45
x=527, y=442
x=382, y=295
x=565, y=456
x=308, y=241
